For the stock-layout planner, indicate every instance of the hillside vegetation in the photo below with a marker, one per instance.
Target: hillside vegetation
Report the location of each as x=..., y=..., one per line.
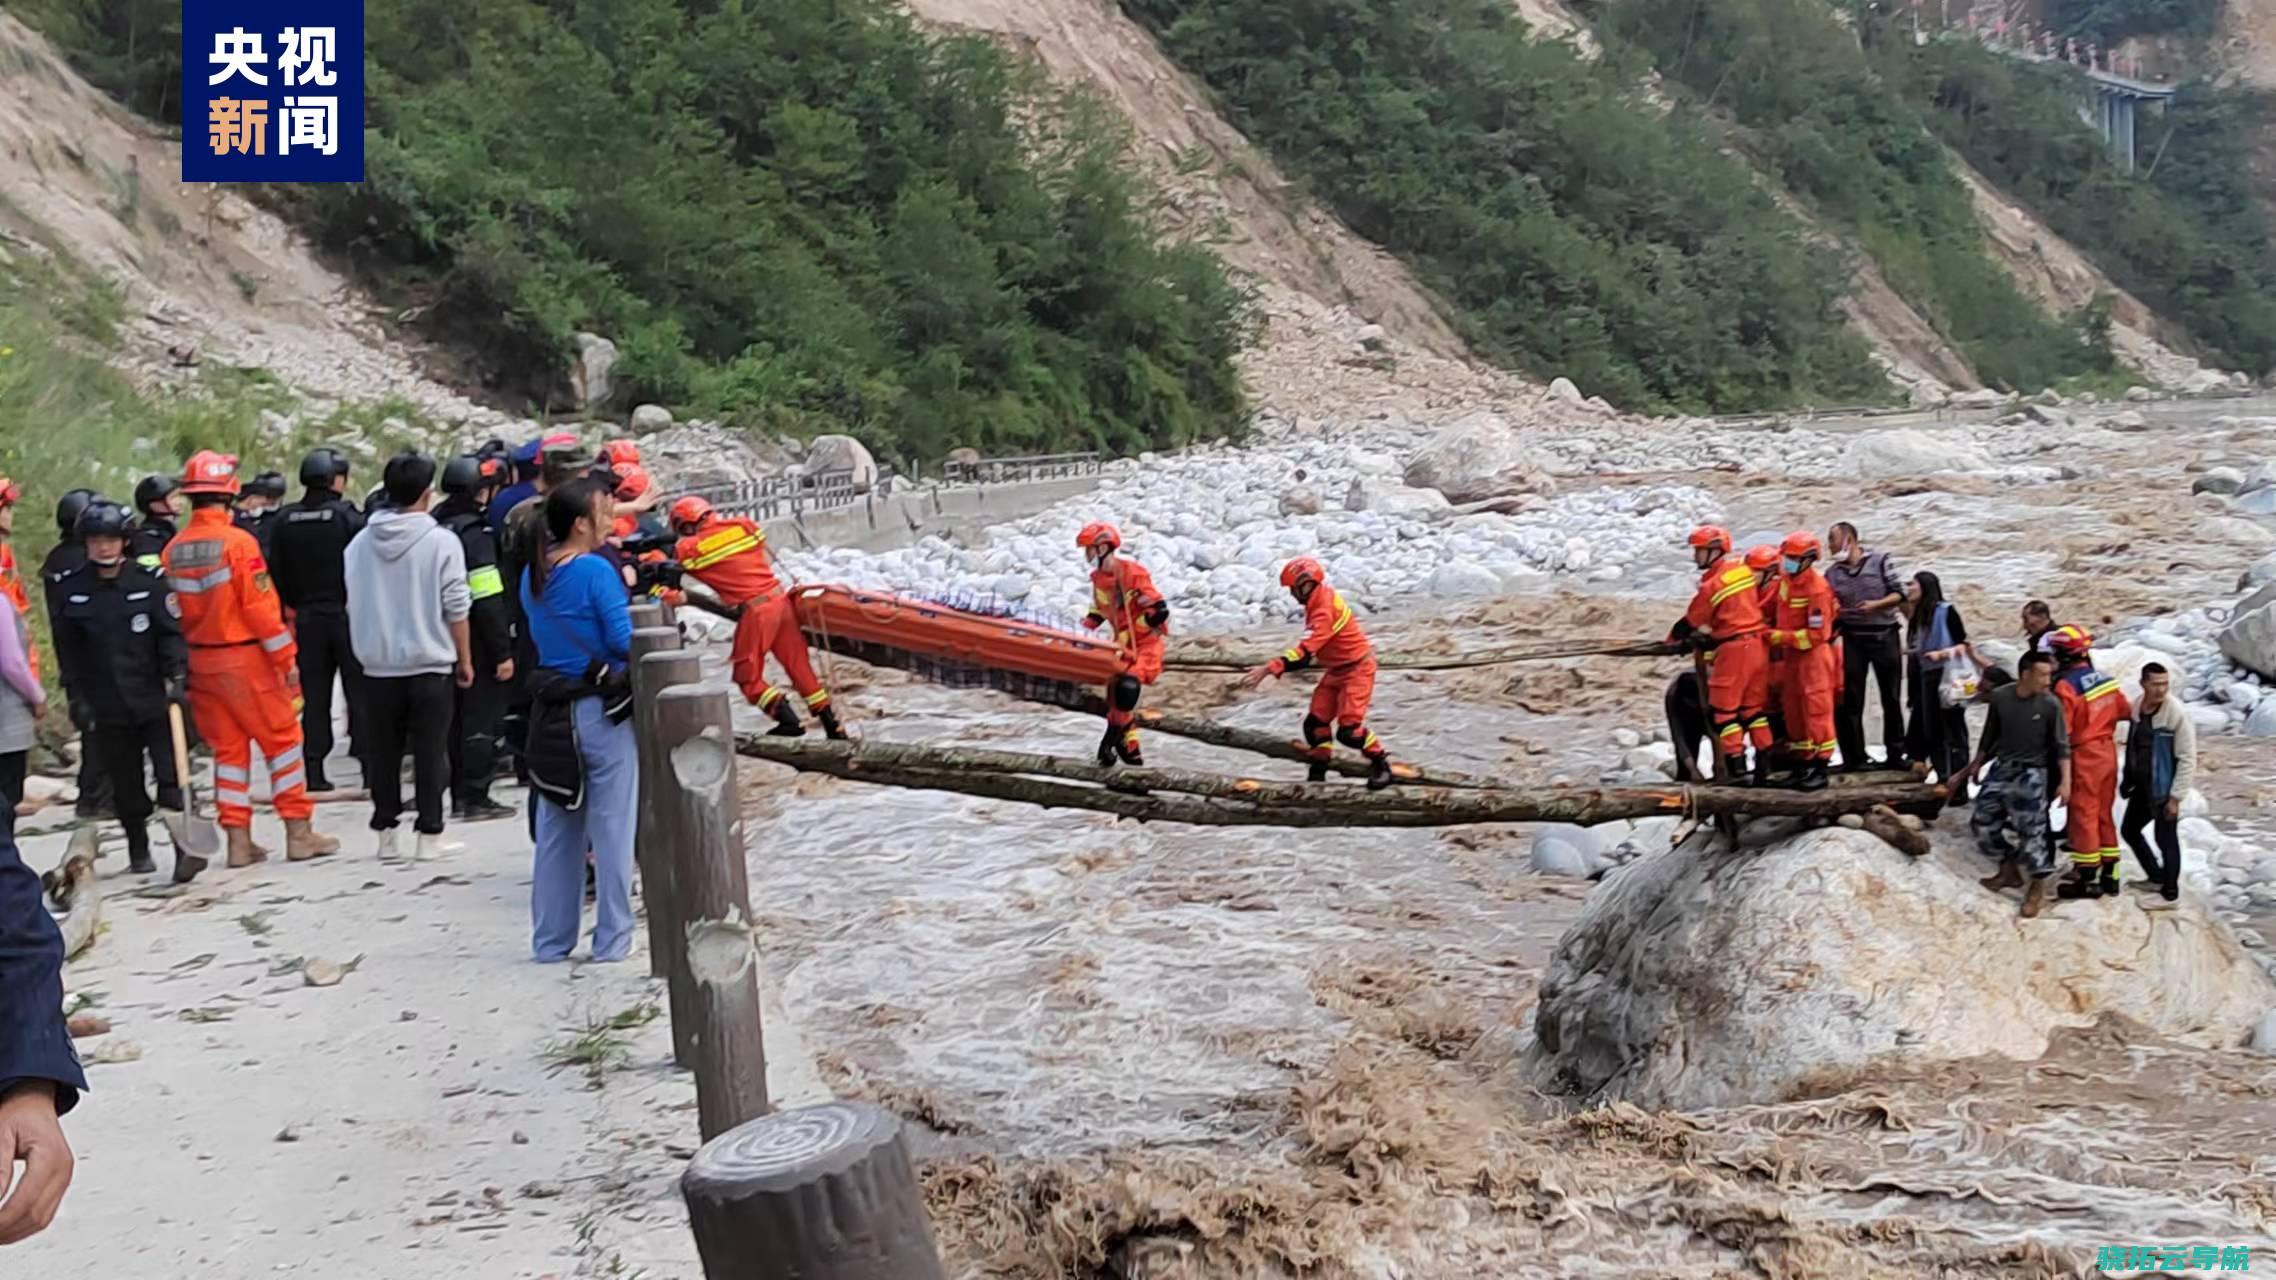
x=806, y=212
x=1572, y=227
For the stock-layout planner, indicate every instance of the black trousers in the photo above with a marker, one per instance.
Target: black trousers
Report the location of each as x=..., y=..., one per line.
x=1937, y=734
x=1882, y=652
x=94, y=782
x=120, y=750
x=407, y=713
x=2145, y=811
x=325, y=653
x=474, y=736
x=13, y=766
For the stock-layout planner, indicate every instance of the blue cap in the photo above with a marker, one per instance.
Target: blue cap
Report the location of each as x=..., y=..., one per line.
x=527, y=453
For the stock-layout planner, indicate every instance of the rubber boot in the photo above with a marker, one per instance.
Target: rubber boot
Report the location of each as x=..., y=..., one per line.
x=2035, y=901
x=2108, y=880
x=1127, y=747
x=2010, y=876
x=1761, y=775
x=1379, y=773
x=1106, y=745
x=2084, y=882
x=1318, y=772
x=187, y=866
x=835, y=731
x=1813, y=778
x=303, y=841
x=786, y=723
x=138, y=849
x=242, y=851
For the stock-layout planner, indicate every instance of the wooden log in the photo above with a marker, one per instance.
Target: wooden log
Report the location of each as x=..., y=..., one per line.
x=1215, y=800
x=673, y=666
x=714, y=977
x=76, y=892
x=1896, y=830
x=818, y=1193
x=1203, y=729
x=1626, y=647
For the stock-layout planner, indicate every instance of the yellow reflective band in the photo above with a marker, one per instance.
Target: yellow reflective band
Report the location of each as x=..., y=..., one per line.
x=1729, y=591
x=706, y=556
x=1801, y=640
x=1760, y=722
x=2100, y=690
x=1292, y=655
x=1727, y=730
x=147, y=562
x=1343, y=617
x=484, y=582
x=818, y=697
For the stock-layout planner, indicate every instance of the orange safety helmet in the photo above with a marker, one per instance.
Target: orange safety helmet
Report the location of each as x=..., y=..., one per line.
x=2069, y=641
x=1800, y=543
x=210, y=472
x=1098, y=533
x=631, y=481
x=1710, y=535
x=1300, y=570
x=1762, y=558
x=620, y=454
x=690, y=511
x=10, y=492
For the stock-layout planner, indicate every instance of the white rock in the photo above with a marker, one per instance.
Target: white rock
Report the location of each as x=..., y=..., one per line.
x=1695, y=981
x=650, y=418
x=1012, y=586
x=1301, y=501
x=1463, y=578
x=1625, y=738
x=2238, y=530
x=2262, y=722
x=592, y=374
x=2207, y=719
x=2129, y=421
x=46, y=790
x=1477, y=457
x=1652, y=758
x=2264, y=1035
x=1908, y=452
x=2249, y=640
x=1980, y=398
x=2221, y=480
x=1564, y=390
x=1556, y=858
x=2140, y=395
x=841, y=453
x=1372, y=337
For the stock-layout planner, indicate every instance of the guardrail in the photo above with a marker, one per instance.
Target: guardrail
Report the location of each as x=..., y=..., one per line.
x=778, y=496
x=1021, y=470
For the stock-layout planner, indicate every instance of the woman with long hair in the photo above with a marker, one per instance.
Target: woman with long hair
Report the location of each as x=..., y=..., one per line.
x=581, y=755
x=1936, y=636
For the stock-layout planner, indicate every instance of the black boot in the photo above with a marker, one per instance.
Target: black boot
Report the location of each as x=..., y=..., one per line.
x=2084, y=882
x=2107, y=882
x=479, y=808
x=786, y=721
x=1761, y=776
x=1107, y=743
x=836, y=732
x=1379, y=773
x=138, y=849
x=1318, y=772
x=1813, y=777
x=1127, y=747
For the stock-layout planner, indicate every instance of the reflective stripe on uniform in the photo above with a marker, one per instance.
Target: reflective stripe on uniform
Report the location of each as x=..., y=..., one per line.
x=230, y=773
x=277, y=641
x=484, y=582
x=1343, y=617
x=1292, y=655
x=284, y=759
x=1735, y=581
x=149, y=562
x=231, y=795
x=289, y=780
x=818, y=697
x=2106, y=688
x=190, y=586
x=707, y=555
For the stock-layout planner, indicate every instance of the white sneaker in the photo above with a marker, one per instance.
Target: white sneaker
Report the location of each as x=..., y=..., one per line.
x=390, y=845
x=429, y=847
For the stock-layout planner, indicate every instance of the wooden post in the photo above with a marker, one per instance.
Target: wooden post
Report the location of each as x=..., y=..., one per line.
x=674, y=667
x=715, y=981
x=647, y=613
x=821, y=1193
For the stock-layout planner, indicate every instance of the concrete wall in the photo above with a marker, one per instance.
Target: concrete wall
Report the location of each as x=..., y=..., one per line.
x=871, y=523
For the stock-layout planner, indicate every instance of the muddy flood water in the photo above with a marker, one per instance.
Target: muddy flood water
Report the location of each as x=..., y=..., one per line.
x=1161, y=1051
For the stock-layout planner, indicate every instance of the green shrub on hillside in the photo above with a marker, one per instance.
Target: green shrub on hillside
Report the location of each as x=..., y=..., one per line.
x=2108, y=21
x=1853, y=145
x=2186, y=236
x=1574, y=230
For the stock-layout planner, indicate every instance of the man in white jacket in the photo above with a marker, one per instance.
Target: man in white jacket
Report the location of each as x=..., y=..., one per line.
x=408, y=604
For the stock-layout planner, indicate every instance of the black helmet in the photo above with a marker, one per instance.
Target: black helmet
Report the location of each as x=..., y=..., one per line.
x=268, y=484
x=377, y=500
x=153, y=488
x=462, y=475
x=68, y=507
x=321, y=465
x=102, y=518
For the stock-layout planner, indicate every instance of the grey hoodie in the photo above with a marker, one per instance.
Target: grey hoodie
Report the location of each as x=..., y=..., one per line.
x=406, y=585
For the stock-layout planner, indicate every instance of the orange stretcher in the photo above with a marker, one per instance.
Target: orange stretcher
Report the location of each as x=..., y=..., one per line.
x=951, y=645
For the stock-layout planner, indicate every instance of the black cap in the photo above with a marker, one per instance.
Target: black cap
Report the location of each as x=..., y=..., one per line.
x=319, y=467
x=102, y=518
x=68, y=507
x=152, y=488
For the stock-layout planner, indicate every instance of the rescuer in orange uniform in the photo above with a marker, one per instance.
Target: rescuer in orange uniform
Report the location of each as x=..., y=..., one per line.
x=729, y=555
x=2093, y=707
x=11, y=579
x=244, y=677
x=1726, y=621
x=1332, y=637
x=1802, y=632
x=1122, y=593
x=1764, y=561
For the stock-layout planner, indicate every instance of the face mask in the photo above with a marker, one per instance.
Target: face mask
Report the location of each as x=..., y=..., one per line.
x=1793, y=566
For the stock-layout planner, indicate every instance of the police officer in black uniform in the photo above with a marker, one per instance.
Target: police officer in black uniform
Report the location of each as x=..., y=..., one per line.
x=154, y=500
x=123, y=660
x=257, y=503
x=308, y=548
x=468, y=484
x=66, y=555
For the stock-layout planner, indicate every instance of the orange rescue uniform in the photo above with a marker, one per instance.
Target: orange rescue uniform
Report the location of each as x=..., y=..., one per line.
x=1728, y=606
x=1123, y=596
x=1334, y=639
x=2093, y=707
x=1802, y=631
x=12, y=586
x=244, y=681
x=729, y=555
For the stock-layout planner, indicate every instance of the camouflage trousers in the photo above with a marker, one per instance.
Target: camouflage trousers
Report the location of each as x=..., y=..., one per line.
x=2014, y=800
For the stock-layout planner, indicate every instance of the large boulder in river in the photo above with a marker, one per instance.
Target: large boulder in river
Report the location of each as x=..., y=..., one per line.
x=841, y=453
x=1882, y=455
x=592, y=375
x=2250, y=638
x=1477, y=457
x=1698, y=978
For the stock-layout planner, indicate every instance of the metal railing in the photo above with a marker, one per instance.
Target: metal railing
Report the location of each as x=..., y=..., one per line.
x=1022, y=470
x=777, y=496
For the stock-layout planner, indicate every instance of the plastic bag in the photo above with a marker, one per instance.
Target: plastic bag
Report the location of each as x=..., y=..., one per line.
x=1957, y=687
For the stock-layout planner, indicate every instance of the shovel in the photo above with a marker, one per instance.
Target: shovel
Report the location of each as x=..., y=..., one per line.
x=195, y=841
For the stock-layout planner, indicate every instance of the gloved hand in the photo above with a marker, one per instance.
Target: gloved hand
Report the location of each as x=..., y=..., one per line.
x=1092, y=622
x=178, y=690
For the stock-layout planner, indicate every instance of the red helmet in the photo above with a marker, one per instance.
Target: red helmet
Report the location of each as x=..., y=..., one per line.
x=210, y=472
x=620, y=454
x=10, y=492
x=690, y=511
x=1099, y=534
x=632, y=481
x=1302, y=569
x=1762, y=558
x=1710, y=536
x=1800, y=543
x=2070, y=641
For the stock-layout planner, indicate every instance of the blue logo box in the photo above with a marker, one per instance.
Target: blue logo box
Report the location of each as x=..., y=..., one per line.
x=272, y=90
